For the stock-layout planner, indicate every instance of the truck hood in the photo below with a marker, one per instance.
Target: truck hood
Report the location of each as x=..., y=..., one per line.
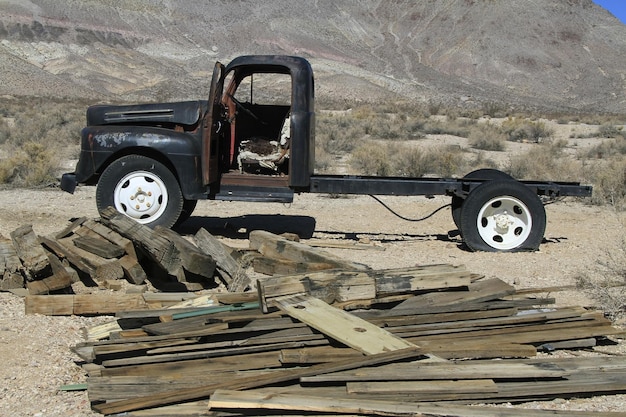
x=184, y=113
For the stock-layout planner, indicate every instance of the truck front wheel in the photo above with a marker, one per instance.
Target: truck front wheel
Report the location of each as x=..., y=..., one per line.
x=502, y=215
x=141, y=188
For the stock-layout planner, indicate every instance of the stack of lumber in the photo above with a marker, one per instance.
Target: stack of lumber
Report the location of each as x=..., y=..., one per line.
x=99, y=252
x=311, y=334
x=438, y=344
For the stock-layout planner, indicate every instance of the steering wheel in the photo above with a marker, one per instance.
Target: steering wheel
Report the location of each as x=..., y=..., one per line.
x=246, y=110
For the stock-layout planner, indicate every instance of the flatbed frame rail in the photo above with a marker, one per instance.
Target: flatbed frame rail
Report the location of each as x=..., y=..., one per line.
x=460, y=187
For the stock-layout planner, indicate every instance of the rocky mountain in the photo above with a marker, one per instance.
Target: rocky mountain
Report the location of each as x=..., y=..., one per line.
x=550, y=54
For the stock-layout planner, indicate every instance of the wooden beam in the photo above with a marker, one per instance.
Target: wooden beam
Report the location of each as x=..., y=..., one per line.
x=341, y=326
x=87, y=304
x=274, y=246
x=250, y=400
x=29, y=250
x=232, y=272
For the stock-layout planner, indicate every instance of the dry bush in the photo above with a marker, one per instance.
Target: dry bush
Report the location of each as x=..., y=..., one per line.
x=457, y=127
x=487, y=137
x=32, y=164
x=42, y=133
x=338, y=134
x=609, y=182
x=521, y=129
x=546, y=161
x=607, y=130
x=384, y=159
x=609, y=148
x=373, y=158
x=606, y=284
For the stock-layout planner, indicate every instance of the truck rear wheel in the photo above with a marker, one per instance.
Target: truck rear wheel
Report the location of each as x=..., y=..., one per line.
x=141, y=188
x=483, y=173
x=502, y=215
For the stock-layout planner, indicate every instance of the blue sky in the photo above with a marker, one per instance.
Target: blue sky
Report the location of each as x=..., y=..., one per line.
x=617, y=7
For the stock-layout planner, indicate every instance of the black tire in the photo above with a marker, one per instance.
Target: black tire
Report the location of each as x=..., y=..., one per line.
x=188, y=207
x=141, y=188
x=483, y=173
x=502, y=216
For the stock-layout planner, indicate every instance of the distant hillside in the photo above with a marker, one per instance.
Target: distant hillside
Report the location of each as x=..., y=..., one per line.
x=551, y=54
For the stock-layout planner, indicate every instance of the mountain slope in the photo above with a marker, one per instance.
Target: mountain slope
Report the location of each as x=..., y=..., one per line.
x=557, y=54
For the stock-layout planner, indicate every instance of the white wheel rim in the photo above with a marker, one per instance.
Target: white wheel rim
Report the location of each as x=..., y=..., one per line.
x=504, y=222
x=141, y=195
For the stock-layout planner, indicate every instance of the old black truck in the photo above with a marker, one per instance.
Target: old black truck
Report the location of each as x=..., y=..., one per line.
x=253, y=140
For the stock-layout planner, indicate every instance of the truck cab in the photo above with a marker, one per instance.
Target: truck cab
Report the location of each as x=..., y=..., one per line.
x=253, y=139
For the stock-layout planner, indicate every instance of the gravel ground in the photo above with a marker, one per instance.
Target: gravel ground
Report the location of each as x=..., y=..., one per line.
x=35, y=349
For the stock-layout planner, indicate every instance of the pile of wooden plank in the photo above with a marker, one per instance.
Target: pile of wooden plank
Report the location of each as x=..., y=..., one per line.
x=311, y=334
x=99, y=252
x=351, y=342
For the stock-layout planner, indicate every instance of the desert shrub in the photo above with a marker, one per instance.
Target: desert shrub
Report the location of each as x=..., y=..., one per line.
x=373, y=158
x=412, y=162
x=545, y=161
x=448, y=161
x=338, y=134
x=480, y=161
x=610, y=131
x=519, y=130
x=32, y=164
x=608, y=148
x=487, y=137
x=5, y=131
x=434, y=107
x=609, y=182
x=42, y=132
x=493, y=109
x=457, y=127
x=323, y=160
x=606, y=284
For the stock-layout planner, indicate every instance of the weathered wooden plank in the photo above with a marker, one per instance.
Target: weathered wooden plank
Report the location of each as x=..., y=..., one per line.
x=159, y=249
x=426, y=277
x=475, y=324
x=413, y=319
x=199, y=368
x=457, y=370
x=192, y=259
x=83, y=303
x=338, y=286
x=10, y=267
x=99, y=246
x=111, y=236
x=329, y=286
x=443, y=350
x=29, y=250
x=529, y=334
x=273, y=266
x=480, y=291
x=133, y=271
x=339, y=325
x=423, y=387
x=63, y=252
x=210, y=353
x=55, y=282
x=275, y=246
x=232, y=272
x=251, y=400
x=70, y=228
x=51, y=305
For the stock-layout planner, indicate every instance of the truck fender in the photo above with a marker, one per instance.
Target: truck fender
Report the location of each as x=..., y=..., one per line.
x=179, y=151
